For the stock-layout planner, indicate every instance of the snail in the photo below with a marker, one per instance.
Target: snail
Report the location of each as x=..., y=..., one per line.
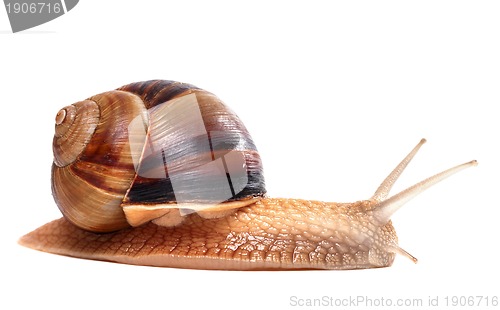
x=163, y=173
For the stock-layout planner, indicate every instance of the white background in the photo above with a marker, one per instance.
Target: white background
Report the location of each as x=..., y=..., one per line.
x=334, y=94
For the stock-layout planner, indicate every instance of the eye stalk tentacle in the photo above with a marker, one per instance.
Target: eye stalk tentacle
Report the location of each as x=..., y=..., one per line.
x=385, y=209
x=386, y=186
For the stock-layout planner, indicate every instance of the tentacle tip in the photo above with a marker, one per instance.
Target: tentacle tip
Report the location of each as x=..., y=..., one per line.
x=422, y=141
x=398, y=250
x=473, y=163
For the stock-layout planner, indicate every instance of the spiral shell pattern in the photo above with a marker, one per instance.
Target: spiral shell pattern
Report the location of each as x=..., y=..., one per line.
x=75, y=125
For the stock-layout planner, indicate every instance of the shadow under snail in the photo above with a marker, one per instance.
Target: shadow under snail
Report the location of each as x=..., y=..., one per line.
x=163, y=173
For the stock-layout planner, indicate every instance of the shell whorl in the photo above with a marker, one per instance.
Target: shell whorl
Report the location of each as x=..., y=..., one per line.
x=75, y=125
x=90, y=190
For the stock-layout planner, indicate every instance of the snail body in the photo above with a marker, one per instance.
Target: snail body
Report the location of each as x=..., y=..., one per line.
x=162, y=173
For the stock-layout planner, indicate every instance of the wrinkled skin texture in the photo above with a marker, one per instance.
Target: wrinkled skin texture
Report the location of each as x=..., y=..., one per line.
x=268, y=235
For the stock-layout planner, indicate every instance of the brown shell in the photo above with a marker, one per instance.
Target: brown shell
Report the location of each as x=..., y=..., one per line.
x=148, y=149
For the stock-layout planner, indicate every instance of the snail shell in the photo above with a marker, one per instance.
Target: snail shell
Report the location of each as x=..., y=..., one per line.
x=154, y=150
x=147, y=162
